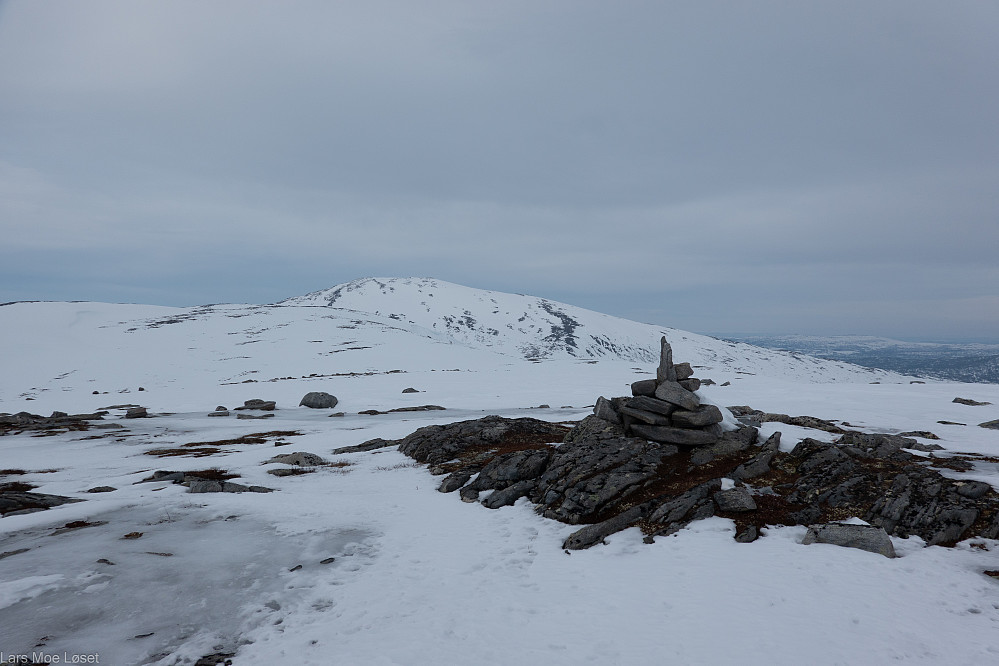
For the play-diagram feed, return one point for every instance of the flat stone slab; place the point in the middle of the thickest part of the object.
(673, 393)
(865, 537)
(650, 418)
(649, 404)
(668, 435)
(704, 415)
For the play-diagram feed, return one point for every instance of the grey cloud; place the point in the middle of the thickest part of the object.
(802, 157)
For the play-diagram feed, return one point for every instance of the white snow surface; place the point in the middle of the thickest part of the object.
(420, 577)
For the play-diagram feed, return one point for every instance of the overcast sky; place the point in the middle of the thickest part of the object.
(723, 167)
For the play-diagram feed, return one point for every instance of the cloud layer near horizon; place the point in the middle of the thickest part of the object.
(770, 167)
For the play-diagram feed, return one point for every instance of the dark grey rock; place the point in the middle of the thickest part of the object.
(919, 446)
(683, 371)
(865, 537)
(454, 481)
(650, 418)
(370, 445)
(675, 512)
(221, 408)
(674, 393)
(648, 404)
(219, 413)
(665, 372)
(410, 390)
(594, 534)
(510, 468)
(734, 500)
(748, 535)
(679, 436)
(290, 471)
(257, 403)
(15, 502)
(760, 463)
(644, 387)
(509, 495)
(468, 494)
(102, 489)
(704, 415)
(727, 444)
(318, 400)
(595, 471)
(973, 489)
(136, 413)
(969, 401)
(992, 425)
(604, 409)
(692, 384)
(254, 416)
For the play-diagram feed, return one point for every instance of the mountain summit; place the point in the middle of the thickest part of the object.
(535, 328)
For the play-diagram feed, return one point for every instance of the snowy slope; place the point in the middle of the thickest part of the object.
(417, 576)
(57, 354)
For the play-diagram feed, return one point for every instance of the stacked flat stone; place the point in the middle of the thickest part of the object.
(665, 409)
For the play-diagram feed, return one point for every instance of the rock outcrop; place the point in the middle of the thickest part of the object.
(16, 499)
(54, 424)
(205, 481)
(609, 473)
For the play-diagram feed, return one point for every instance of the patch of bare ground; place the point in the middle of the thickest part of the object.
(16, 487)
(211, 473)
(255, 438)
(199, 452)
(204, 449)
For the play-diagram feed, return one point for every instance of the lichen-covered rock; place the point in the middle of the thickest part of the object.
(735, 500)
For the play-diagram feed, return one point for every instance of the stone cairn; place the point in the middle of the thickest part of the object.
(665, 409)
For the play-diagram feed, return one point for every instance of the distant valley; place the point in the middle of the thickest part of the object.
(968, 362)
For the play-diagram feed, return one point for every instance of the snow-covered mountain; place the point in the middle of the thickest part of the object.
(363, 561)
(58, 355)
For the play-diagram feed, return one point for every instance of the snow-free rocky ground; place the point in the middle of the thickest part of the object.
(417, 576)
